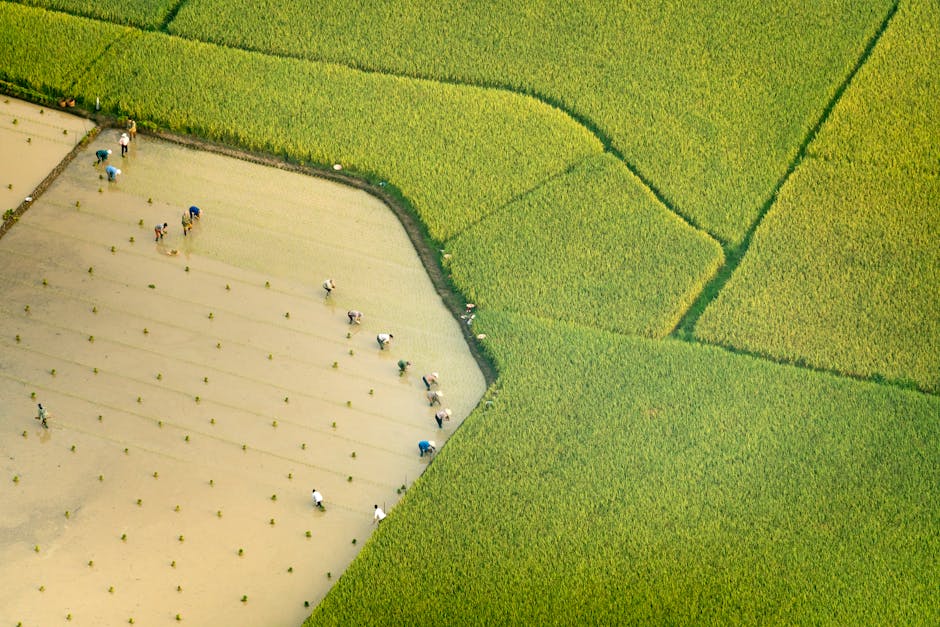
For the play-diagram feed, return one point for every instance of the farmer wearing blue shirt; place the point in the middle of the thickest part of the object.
(194, 212)
(102, 155)
(112, 172)
(426, 446)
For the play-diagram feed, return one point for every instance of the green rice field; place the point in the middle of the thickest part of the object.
(587, 174)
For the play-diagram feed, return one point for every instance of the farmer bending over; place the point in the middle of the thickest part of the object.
(429, 380)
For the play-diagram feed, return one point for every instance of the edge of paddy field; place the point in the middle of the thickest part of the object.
(390, 197)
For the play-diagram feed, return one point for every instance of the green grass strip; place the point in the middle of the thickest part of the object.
(618, 480)
(592, 246)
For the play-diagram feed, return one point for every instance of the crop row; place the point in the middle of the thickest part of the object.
(709, 101)
(592, 246)
(616, 477)
(460, 152)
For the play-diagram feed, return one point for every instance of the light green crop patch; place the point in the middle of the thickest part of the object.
(143, 13)
(47, 51)
(618, 480)
(845, 270)
(592, 246)
(889, 116)
(843, 274)
(709, 100)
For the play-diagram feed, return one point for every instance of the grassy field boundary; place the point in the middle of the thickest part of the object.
(734, 254)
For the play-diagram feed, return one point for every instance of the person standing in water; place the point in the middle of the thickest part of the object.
(42, 417)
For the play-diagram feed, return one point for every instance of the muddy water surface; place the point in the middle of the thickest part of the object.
(34, 140)
(201, 386)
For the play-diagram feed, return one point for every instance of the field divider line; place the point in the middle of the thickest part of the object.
(520, 196)
(554, 103)
(209, 400)
(153, 420)
(81, 73)
(685, 328)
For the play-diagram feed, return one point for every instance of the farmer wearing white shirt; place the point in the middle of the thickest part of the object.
(317, 499)
(441, 416)
(379, 515)
(383, 339)
(329, 285)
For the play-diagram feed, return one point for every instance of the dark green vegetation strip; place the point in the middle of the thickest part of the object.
(143, 13)
(844, 273)
(458, 152)
(593, 246)
(47, 51)
(709, 101)
(621, 480)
